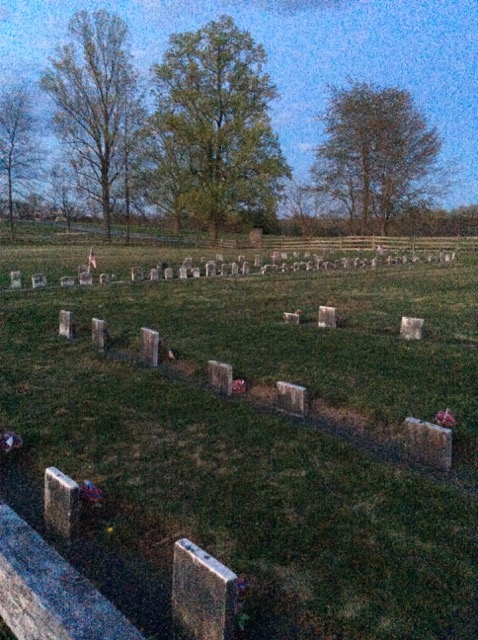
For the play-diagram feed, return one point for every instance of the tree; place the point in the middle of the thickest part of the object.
(212, 125)
(91, 81)
(378, 155)
(18, 149)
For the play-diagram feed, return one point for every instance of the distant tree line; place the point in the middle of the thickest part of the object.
(195, 147)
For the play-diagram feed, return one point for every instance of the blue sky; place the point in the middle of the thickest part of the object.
(428, 47)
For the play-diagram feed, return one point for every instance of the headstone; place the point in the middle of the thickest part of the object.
(441, 256)
(150, 343)
(284, 267)
(219, 257)
(453, 256)
(168, 273)
(99, 334)
(447, 257)
(427, 443)
(82, 268)
(241, 259)
(307, 255)
(210, 269)
(258, 261)
(183, 273)
(220, 376)
(389, 259)
(266, 269)
(327, 318)
(296, 254)
(38, 281)
(67, 281)
(61, 503)
(16, 279)
(188, 263)
(86, 279)
(309, 265)
(404, 259)
(283, 255)
(104, 278)
(430, 258)
(196, 272)
(224, 269)
(154, 274)
(136, 274)
(374, 263)
(292, 399)
(204, 594)
(411, 328)
(291, 318)
(245, 269)
(356, 262)
(234, 269)
(67, 324)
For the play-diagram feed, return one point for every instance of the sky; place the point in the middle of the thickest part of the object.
(427, 47)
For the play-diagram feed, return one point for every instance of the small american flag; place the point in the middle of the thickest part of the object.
(92, 260)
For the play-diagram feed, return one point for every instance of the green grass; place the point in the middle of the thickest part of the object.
(334, 543)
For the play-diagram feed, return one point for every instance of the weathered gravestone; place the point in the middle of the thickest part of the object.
(224, 269)
(219, 257)
(104, 278)
(136, 274)
(150, 343)
(374, 263)
(245, 269)
(188, 263)
(183, 273)
(67, 324)
(327, 318)
(154, 274)
(283, 255)
(196, 272)
(168, 273)
(292, 399)
(210, 269)
(291, 318)
(220, 376)
(86, 279)
(99, 334)
(234, 269)
(427, 443)
(82, 268)
(411, 328)
(258, 261)
(204, 594)
(67, 281)
(38, 281)
(61, 506)
(16, 279)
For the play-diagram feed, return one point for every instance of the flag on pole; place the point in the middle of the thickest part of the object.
(92, 260)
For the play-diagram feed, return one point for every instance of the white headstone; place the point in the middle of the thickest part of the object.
(183, 273)
(411, 328)
(86, 279)
(38, 281)
(168, 273)
(67, 281)
(327, 317)
(16, 279)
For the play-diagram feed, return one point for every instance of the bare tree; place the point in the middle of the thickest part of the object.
(90, 80)
(18, 150)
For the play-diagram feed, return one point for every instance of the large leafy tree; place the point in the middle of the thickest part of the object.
(379, 154)
(212, 127)
(92, 82)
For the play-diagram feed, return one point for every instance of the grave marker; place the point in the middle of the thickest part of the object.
(16, 279)
(292, 399)
(412, 328)
(245, 268)
(82, 268)
(183, 273)
(168, 273)
(234, 269)
(188, 263)
(220, 376)
(61, 509)
(150, 343)
(86, 279)
(258, 261)
(196, 272)
(291, 318)
(327, 318)
(99, 334)
(104, 278)
(154, 274)
(67, 324)
(210, 269)
(427, 443)
(224, 269)
(136, 274)
(67, 281)
(204, 594)
(38, 281)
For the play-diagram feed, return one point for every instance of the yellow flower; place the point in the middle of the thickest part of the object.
(109, 530)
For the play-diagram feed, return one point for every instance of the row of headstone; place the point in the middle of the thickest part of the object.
(204, 594)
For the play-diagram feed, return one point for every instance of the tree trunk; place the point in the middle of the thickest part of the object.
(10, 204)
(106, 205)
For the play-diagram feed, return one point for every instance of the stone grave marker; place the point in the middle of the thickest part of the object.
(67, 281)
(86, 279)
(327, 318)
(136, 274)
(427, 443)
(374, 263)
(234, 269)
(168, 273)
(38, 281)
(241, 259)
(196, 272)
(245, 269)
(188, 263)
(67, 324)
(291, 318)
(258, 261)
(154, 274)
(210, 269)
(15, 279)
(204, 594)
(292, 399)
(99, 334)
(411, 328)
(219, 257)
(150, 343)
(283, 255)
(220, 376)
(224, 269)
(447, 257)
(309, 265)
(82, 268)
(307, 255)
(183, 273)
(61, 505)
(104, 278)
(296, 254)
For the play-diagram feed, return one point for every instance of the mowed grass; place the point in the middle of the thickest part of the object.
(334, 543)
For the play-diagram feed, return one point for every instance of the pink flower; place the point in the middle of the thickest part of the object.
(445, 418)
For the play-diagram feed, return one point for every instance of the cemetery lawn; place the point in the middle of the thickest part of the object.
(335, 543)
